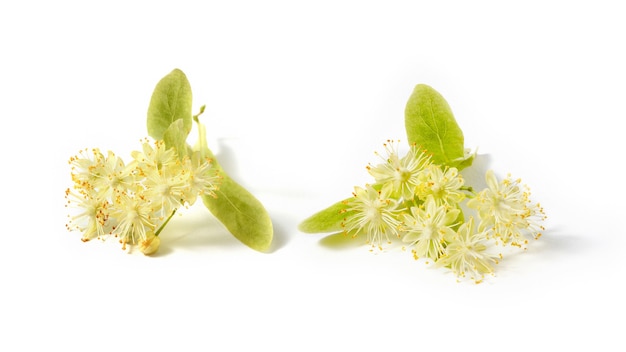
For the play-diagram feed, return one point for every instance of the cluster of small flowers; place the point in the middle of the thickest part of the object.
(134, 201)
(419, 202)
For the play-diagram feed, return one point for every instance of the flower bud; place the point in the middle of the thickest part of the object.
(150, 245)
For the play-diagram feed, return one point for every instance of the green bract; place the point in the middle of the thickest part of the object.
(170, 119)
(430, 124)
(171, 101)
(327, 220)
(242, 214)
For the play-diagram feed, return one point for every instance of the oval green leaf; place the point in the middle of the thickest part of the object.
(170, 101)
(430, 124)
(235, 207)
(242, 214)
(327, 220)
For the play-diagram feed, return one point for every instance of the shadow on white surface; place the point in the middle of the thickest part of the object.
(281, 232)
(474, 175)
(339, 241)
(227, 159)
(556, 241)
(197, 229)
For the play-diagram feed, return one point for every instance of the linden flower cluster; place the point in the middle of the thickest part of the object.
(134, 201)
(419, 202)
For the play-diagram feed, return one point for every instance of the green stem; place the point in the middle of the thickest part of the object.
(468, 188)
(201, 145)
(195, 117)
(165, 223)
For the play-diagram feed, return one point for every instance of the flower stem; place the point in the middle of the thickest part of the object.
(165, 223)
(195, 117)
(469, 189)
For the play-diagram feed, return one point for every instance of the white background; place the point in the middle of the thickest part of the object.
(299, 95)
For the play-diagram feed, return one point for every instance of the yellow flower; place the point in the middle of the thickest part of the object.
(203, 177)
(402, 174)
(133, 215)
(468, 253)
(166, 188)
(87, 168)
(114, 176)
(374, 214)
(157, 158)
(505, 209)
(93, 215)
(444, 185)
(427, 228)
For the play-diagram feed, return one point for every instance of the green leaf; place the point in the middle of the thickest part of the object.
(430, 124)
(235, 207)
(175, 136)
(170, 101)
(242, 214)
(327, 220)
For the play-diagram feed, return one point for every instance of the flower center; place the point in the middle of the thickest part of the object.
(405, 175)
(429, 231)
(373, 214)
